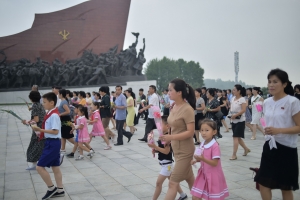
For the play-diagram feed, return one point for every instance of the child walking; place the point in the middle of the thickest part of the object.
(210, 182)
(51, 132)
(98, 129)
(83, 135)
(71, 155)
(166, 162)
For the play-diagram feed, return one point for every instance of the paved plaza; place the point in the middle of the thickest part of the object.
(126, 172)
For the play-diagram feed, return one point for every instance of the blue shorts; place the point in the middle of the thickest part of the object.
(76, 139)
(51, 154)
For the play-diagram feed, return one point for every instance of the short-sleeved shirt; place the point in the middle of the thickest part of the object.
(38, 110)
(278, 114)
(154, 100)
(229, 96)
(58, 102)
(120, 113)
(297, 96)
(89, 100)
(199, 101)
(61, 106)
(214, 103)
(53, 123)
(105, 112)
(82, 102)
(166, 98)
(236, 107)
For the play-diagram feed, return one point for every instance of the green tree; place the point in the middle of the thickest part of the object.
(264, 91)
(165, 70)
(191, 72)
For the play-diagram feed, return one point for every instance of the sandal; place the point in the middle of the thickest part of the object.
(246, 153)
(253, 138)
(233, 158)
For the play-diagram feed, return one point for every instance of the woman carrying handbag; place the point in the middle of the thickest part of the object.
(213, 110)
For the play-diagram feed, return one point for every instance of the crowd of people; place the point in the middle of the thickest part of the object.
(187, 114)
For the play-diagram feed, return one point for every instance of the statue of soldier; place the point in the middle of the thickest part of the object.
(4, 79)
(138, 66)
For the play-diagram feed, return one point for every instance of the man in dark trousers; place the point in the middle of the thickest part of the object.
(120, 106)
(141, 102)
(153, 100)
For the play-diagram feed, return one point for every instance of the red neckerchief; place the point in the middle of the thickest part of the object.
(55, 110)
(92, 117)
(76, 117)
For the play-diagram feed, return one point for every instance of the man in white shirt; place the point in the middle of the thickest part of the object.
(153, 101)
(56, 89)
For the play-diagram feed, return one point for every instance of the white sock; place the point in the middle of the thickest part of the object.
(182, 194)
(51, 188)
(91, 151)
(60, 189)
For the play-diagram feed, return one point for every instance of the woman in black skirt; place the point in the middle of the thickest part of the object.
(35, 148)
(279, 162)
(64, 113)
(237, 117)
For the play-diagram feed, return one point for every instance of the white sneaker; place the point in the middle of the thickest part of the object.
(90, 153)
(113, 141)
(61, 159)
(79, 158)
(31, 168)
(62, 151)
(107, 148)
(91, 156)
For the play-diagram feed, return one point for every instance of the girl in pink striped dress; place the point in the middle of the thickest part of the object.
(83, 134)
(210, 183)
(98, 129)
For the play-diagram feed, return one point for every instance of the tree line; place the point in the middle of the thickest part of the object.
(164, 70)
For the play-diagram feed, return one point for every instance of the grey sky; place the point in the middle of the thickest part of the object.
(266, 33)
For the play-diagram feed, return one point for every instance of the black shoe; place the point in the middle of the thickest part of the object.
(118, 144)
(59, 194)
(142, 140)
(49, 194)
(219, 136)
(70, 155)
(182, 198)
(197, 143)
(129, 138)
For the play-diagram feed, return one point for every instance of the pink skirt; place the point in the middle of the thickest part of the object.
(83, 137)
(210, 186)
(94, 133)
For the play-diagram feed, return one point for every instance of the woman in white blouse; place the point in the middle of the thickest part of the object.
(279, 162)
(255, 99)
(237, 115)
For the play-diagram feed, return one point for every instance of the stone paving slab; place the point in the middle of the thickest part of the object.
(125, 172)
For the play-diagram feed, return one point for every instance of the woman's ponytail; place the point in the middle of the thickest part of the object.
(191, 98)
(289, 89)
